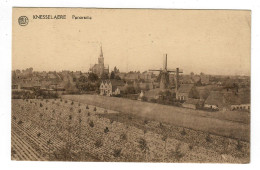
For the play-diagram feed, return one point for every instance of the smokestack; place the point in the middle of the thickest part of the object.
(165, 62)
(177, 80)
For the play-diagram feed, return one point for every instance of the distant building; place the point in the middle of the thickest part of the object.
(204, 79)
(131, 76)
(111, 87)
(100, 68)
(228, 101)
(187, 91)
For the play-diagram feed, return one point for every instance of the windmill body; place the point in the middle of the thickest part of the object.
(164, 81)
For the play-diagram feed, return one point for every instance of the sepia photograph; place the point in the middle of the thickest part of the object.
(131, 85)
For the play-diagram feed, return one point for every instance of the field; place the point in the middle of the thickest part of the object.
(68, 130)
(230, 124)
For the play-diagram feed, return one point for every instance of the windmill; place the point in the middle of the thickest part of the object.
(165, 75)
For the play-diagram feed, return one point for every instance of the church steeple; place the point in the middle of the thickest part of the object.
(101, 58)
(101, 51)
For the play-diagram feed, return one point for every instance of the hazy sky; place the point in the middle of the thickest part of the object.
(209, 41)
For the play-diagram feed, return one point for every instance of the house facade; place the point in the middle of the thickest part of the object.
(187, 91)
(111, 87)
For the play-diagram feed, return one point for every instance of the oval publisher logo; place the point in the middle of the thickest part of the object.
(23, 20)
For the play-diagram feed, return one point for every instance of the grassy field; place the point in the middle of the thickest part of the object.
(230, 124)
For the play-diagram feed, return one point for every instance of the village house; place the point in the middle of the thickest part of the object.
(242, 103)
(219, 100)
(187, 91)
(131, 76)
(111, 87)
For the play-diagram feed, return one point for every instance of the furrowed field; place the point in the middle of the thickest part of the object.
(66, 130)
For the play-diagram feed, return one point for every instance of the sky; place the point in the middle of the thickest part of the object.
(208, 41)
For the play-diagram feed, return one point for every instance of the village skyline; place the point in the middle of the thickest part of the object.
(112, 68)
(212, 42)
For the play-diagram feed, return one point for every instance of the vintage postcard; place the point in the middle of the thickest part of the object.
(131, 85)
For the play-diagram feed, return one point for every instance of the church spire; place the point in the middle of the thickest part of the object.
(101, 51)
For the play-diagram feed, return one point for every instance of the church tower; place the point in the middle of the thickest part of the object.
(101, 62)
(101, 58)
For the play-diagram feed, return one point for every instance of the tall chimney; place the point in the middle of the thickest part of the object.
(177, 80)
(165, 62)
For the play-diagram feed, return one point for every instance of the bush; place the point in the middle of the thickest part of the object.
(145, 122)
(79, 110)
(41, 105)
(38, 134)
(164, 138)
(177, 152)
(88, 113)
(208, 138)
(117, 152)
(95, 109)
(14, 118)
(190, 146)
(161, 125)
(239, 146)
(91, 124)
(183, 132)
(20, 122)
(87, 107)
(106, 130)
(66, 101)
(79, 104)
(143, 144)
(98, 143)
(123, 136)
(72, 103)
(144, 98)
(153, 100)
(105, 111)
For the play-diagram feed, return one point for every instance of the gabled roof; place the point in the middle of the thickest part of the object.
(152, 93)
(227, 98)
(185, 88)
(215, 98)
